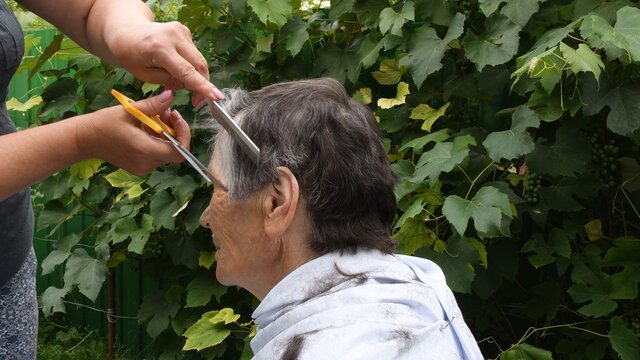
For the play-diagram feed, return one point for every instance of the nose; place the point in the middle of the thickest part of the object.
(204, 218)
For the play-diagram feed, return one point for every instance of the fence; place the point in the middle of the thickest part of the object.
(130, 282)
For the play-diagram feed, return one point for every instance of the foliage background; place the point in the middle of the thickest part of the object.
(513, 128)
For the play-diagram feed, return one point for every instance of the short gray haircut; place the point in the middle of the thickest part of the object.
(333, 146)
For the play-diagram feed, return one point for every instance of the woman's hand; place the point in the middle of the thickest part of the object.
(113, 135)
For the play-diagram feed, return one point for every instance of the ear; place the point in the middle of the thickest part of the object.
(280, 203)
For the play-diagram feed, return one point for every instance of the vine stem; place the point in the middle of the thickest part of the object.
(473, 182)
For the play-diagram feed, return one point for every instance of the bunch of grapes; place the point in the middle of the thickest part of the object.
(154, 246)
(604, 158)
(531, 188)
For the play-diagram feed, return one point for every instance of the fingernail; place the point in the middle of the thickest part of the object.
(218, 94)
(201, 104)
(165, 95)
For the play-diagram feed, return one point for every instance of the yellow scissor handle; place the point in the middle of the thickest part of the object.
(154, 123)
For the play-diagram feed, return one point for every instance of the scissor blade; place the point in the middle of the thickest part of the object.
(192, 160)
(236, 132)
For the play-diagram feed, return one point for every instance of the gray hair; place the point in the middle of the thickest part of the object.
(331, 144)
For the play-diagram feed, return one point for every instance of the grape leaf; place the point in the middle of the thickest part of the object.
(159, 308)
(52, 300)
(339, 63)
(488, 208)
(456, 262)
(390, 72)
(558, 243)
(625, 255)
(442, 158)
(14, 104)
(296, 35)
(428, 114)
(520, 11)
(513, 143)
(488, 7)
(623, 340)
(413, 235)
(60, 254)
(162, 208)
(85, 271)
(403, 91)
(627, 27)
(201, 288)
(426, 49)
(582, 60)
(524, 351)
(209, 330)
(497, 45)
(274, 11)
(391, 21)
(569, 155)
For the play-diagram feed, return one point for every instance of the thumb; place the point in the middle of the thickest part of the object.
(156, 105)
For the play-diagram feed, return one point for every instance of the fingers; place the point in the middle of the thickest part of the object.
(156, 105)
(183, 132)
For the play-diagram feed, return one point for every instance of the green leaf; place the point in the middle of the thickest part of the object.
(60, 254)
(370, 50)
(582, 60)
(568, 156)
(511, 144)
(520, 11)
(623, 340)
(206, 259)
(627, 27)
(426, 49)
(87, 272)
(625, 255)
(391, 21)
(158, 309)
(524, 351)
(198, 16)
(488, 7)
(630, 173)
(201, 288)
(593, 286)
(263, 43)
(53, 300)
(51, 50)
(600, 34)
(456, 262)
(162, 208)
(413, 235)
(488, 208)
(558, 243)
(209, 330)
(442, 158)
(296, 34)
(417, 144)
(274, 11)
(497, 45)
(60, 96)
(340, 7)
(338, 63)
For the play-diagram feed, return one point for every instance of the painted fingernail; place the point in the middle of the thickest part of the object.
(165, 95)
(201, 104)
(218, 94)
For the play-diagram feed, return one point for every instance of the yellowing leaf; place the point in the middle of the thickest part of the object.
(403, 91)
(363, 96)
(86, 169)
(428, 114)
(593, 229)
(390, 72)
(15, 105)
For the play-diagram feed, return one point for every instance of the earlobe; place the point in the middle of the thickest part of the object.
(281, 202)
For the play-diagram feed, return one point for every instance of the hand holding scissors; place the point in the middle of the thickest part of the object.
(155, 124)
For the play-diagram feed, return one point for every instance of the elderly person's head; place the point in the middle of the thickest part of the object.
(322, 184)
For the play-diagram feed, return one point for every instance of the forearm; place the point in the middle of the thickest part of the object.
(93, 24)
(31, 155)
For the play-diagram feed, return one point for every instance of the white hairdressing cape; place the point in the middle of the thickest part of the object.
(362, 306)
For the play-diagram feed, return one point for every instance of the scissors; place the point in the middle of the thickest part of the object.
(161, 128)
